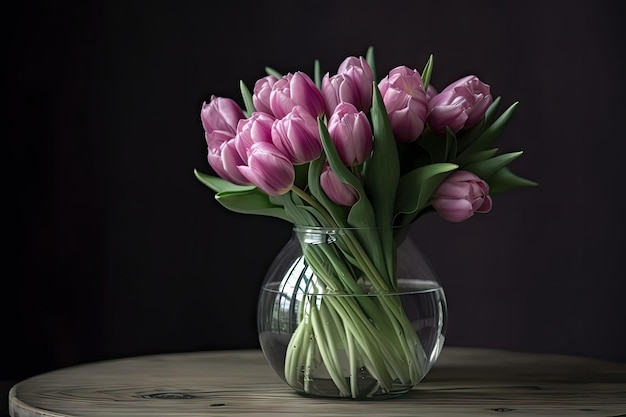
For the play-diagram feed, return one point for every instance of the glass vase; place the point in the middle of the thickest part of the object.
(351, 313)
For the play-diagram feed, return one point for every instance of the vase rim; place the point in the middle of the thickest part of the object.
(325, 229)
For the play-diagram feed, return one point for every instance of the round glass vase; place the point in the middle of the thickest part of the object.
(351, 313)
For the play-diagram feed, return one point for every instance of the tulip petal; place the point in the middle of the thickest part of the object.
(454, 210)
(460, 195)
(338, 192)
(268, 169)
(486, 206)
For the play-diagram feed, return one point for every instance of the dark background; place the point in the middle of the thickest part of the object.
(115, 249)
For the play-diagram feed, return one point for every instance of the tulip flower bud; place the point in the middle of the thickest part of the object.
(448, 109)
(460, 195)
(338, 89)
(220, 114)
(297, 136)
(261, 94)
(405, 100)
(338, 191)
(296, 90)
(359, 71)
(256, 128)
(481, 97)
(459, 106)
(216, 137)
(224, 159)
(351, 133)
(268, 169)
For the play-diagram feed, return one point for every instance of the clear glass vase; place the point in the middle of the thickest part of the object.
(351, 313)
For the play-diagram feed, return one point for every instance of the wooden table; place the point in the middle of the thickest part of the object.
(464, 381)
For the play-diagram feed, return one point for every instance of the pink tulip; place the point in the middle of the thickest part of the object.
(268, 169)
(338, 89)
(481, 97)
(220, 114)
(216, 137)
(338, 191)
(261, 94)
(224, 159)
(460, 195)
(297, 136)
(449, 109)
(459, 106)
(296, 90)
(351, 133)
(256, 128)
(405, 100)
(359, 71)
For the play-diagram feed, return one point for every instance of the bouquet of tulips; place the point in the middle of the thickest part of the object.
(352, 150)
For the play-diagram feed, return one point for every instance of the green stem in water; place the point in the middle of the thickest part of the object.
(382, 354)
(380, 349)
(326, 345)
(401, 327)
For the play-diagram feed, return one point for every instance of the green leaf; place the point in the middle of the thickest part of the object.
(467, 159)
(505, 180)
(316, 218)
(247, 99)
(416, 187)
(466, 137)
(489, 137)
(382, 171)
(428, 68)
(492, 111)
(451, 145)
(485, 169)
(317, 74)
(321, 220)
(381, 174)
(276, 200)
(272, 71)
(218, 184)
(337, 213)
(361, 214)
(252, 201)
(246, 199)
(371, 61)
(297, 215)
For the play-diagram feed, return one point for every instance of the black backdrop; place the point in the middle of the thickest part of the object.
(115, 249)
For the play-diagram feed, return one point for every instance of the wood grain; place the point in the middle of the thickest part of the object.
(464, 381)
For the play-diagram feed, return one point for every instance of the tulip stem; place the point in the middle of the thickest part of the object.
(351, 241)
(314, 203)
(356, 172)
(387, 317)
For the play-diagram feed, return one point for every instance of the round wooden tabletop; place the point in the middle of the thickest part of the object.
(464, 381)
